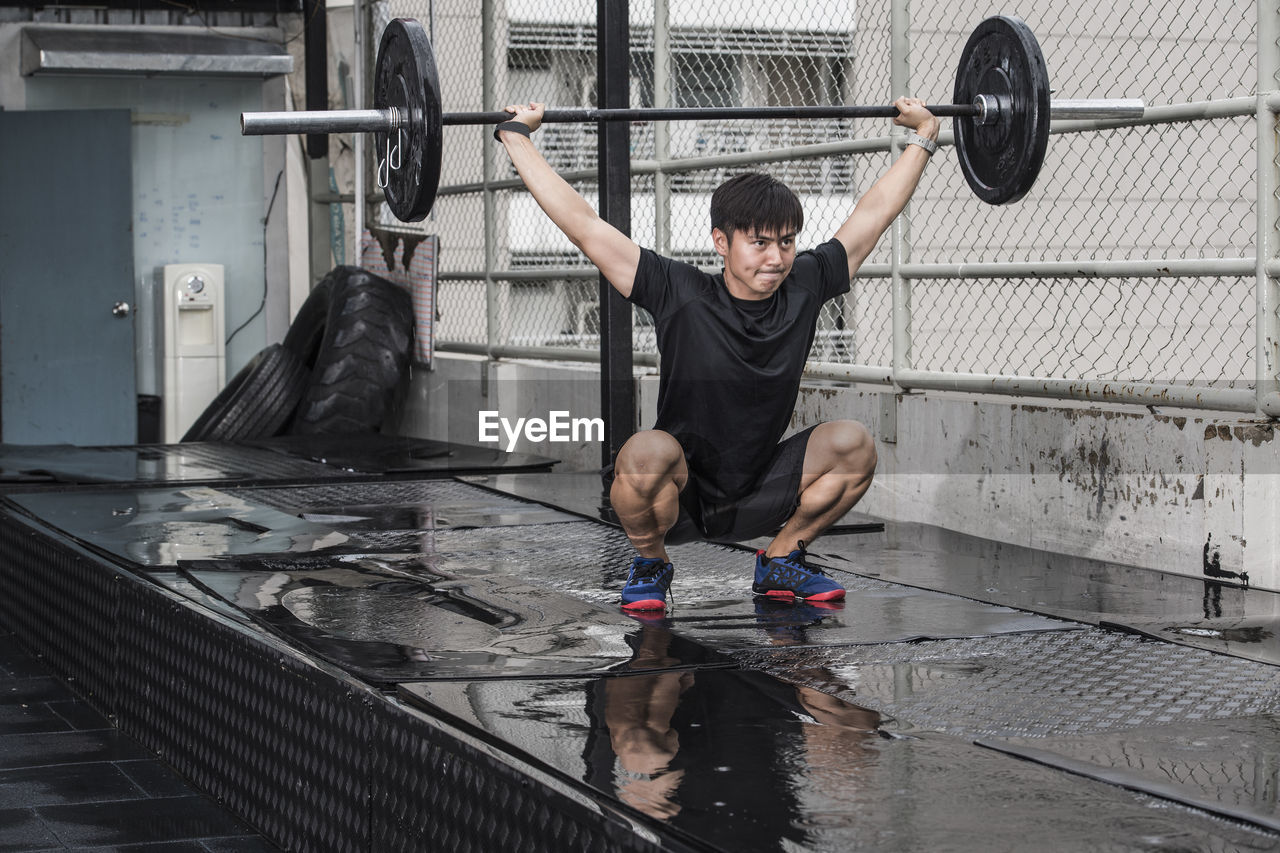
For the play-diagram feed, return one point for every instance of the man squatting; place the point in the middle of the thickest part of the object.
(733, 350)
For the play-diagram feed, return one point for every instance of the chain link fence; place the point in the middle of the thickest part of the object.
(1076, 280)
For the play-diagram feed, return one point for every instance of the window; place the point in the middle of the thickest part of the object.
(709, 80)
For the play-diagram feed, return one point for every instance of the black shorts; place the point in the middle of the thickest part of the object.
(772, 500)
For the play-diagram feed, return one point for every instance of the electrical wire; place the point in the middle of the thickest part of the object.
(265, 219)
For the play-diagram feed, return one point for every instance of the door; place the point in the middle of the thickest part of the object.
(66, 278)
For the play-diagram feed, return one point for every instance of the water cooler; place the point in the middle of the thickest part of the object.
(194, 363)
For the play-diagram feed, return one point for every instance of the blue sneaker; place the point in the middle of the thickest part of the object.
(646, 587)
(791, 577)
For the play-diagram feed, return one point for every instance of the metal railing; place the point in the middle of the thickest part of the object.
(921, 266)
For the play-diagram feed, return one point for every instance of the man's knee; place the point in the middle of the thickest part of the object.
(649, 453)
(851, 446)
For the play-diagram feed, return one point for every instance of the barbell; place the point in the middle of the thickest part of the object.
(1001, 106)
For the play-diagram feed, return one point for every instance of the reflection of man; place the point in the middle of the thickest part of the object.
(731, 756)
(637, 712)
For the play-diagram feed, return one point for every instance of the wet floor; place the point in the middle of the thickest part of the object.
(966, 695)
(1205, 612)
(744, 761)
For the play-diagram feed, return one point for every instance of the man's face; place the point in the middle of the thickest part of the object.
(755, 261)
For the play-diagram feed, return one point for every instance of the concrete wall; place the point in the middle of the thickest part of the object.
(1120, 484)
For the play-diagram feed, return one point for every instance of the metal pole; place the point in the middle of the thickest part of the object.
(1267, 322)
(661, 131)
(316, 48)
(900, 243)
(492, 317)
(358, 12)
(617, 387)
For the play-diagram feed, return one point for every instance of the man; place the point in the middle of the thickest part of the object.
(733, 350)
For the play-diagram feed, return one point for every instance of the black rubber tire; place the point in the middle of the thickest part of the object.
(306, 332)
(363, 359)
(257, 402)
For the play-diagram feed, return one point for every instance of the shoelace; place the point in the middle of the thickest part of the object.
(635, 578)
(800, 563)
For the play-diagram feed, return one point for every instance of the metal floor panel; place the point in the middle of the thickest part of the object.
(1034, 685)
(1230, 766)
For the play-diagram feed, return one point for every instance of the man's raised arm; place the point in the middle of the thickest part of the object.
(613, 252)
(881, 204)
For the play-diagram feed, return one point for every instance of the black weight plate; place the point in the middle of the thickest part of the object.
(405, 78)
(1001, 160)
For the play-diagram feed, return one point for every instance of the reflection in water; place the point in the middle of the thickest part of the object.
(392, 616)
(637, 713)
(793, 752)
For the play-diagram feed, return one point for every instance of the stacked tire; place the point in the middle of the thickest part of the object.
(339, 370)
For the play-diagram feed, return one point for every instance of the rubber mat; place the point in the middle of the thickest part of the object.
(1035, 685)
(1229, 767)
(742, 761)
(149, 464)
(159, 527)
(388, 454)
(177, 582)
(394, 619)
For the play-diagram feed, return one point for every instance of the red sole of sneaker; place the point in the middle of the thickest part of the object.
(648, 604)
(833, 595)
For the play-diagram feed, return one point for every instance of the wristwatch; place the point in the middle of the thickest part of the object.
(924, 142)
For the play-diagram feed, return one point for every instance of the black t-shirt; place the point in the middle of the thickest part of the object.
(731, 367)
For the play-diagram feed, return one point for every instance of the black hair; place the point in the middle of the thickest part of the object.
(755, 201)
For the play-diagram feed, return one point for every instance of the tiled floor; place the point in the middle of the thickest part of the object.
(68, 780)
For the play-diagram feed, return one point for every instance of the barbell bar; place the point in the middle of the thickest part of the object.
(388, 120)
(1001, 103)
